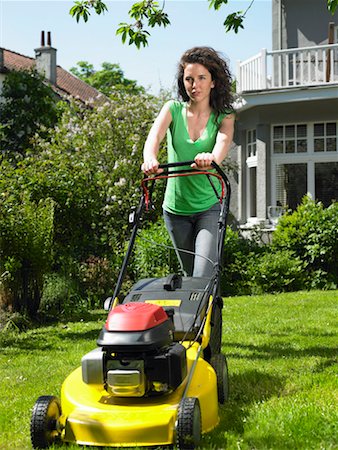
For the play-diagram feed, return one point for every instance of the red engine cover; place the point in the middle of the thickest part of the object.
(135, 317)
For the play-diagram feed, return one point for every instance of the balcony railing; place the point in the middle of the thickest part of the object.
(292, 67)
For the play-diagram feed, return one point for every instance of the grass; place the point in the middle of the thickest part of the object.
(281, 352)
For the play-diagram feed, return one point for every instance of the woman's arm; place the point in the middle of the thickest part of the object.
(154, 139)
(223, 141)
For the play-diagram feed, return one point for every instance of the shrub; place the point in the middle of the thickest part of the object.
(277, 271)
(90, 165)
(238, 253)
(311, 233)
(26, 238)
(96, 277)
(61, 296)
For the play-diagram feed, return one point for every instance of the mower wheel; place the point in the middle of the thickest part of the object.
(44, 421)
(219, 363)
(188, 425)
(216, 330)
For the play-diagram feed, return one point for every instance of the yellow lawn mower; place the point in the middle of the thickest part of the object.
(157, 374)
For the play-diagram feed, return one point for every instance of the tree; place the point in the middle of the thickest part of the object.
(149, 13)
(110, 78)
(28, 106)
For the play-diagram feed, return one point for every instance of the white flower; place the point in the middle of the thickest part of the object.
(121, 182)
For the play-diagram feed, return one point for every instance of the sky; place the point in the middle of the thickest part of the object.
(154, 67)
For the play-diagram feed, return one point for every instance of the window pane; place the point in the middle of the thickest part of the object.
(319, 145)
(301, 131)
(331, 129)
(326, 180)
(301, 146)
(253, 191)
(291, 184)
(290, 131)
(290, 147)
(319, 129)
(278, 132)
(278, 147)
(331, 144)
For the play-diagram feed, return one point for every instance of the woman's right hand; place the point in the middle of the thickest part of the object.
(150, 166)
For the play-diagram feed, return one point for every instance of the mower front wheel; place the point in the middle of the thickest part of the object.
(44, 422)
(219, 363)
(188, 426)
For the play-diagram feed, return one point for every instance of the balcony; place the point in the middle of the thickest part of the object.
(284, 69)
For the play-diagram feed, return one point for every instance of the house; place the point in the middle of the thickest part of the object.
(62, 82)
(286, 142)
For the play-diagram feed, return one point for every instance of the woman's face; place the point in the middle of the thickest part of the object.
(197, 82)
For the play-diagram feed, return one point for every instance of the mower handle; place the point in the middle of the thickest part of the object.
(139, 210)
(188, 163)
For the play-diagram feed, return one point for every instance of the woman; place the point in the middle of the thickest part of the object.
(199, 128)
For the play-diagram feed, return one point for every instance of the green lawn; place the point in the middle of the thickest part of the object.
(281, 352)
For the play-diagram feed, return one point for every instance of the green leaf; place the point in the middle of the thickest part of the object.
(234, 21)
(216, 4)
(332, 5)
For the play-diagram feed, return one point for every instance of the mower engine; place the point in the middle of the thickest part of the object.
(137, 356)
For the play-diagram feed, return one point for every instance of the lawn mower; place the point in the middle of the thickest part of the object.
(157, 374)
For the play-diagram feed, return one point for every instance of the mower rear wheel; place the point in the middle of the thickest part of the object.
(219, 363)
(216, 330)
(188, 426)
(44, 422)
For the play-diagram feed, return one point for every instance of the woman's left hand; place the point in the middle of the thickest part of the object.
(203, 161)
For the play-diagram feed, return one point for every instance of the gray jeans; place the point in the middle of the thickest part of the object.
(197, 234)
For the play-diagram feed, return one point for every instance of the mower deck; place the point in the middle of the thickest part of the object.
(92, 417)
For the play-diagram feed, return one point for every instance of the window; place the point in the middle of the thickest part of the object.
(304, 160)
(326, 182)
(251, 143)
(251, 162)
(253, 191)
(325, 137)
(289, 139)
(291, 184)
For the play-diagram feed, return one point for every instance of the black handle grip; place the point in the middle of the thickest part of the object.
(188, 163)
(176, 164)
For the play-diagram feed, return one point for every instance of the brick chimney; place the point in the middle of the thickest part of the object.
(45, 57)
(1, 59)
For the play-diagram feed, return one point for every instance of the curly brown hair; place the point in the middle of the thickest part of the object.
(221, 97)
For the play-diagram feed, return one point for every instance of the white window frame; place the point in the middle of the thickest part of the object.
(310, 158)
(251, 161)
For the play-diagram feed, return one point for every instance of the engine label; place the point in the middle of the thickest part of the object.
(167, 302)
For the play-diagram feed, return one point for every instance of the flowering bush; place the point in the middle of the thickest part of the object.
(90, 166)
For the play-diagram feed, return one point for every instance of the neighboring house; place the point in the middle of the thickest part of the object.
(62, 82)
(287, 129)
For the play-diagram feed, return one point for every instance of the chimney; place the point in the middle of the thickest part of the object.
(45, 57)
(2, 64)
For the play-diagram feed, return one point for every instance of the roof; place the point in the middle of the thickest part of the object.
(66, 83)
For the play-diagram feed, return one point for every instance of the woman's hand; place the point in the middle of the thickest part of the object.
(150, 166)
(203, 161)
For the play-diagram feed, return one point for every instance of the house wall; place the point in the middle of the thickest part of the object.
(261, 118)
(300, 23)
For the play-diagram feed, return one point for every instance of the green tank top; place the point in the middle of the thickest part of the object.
(189, 195)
